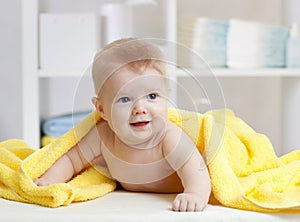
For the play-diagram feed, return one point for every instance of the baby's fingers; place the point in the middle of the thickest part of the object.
(180, 203)
(187, 202)
(41, 182)
(191, 207)
(183, 206)
(176, 204)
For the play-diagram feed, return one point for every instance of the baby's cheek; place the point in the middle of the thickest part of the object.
(119, 120)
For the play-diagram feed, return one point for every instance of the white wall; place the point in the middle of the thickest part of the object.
(10, 69)
(64, 95)
(291, 89)
(291, 12)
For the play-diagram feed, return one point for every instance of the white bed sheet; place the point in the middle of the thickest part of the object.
(129, 207)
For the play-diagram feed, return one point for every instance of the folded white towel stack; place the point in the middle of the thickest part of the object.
(255, 45)
(206, 37)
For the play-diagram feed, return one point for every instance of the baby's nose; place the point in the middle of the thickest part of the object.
(139, 108)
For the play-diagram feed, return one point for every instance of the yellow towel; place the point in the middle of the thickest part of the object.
(244, 169)
(47, 140)
(20, 165)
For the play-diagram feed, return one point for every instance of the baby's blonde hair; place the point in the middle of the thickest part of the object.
(133, 53)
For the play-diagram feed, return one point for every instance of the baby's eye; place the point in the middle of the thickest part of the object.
(152, 96)
(124, 100)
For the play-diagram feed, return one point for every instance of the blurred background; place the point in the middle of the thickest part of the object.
(243, 41)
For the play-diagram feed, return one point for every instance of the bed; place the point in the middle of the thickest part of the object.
(128, 206)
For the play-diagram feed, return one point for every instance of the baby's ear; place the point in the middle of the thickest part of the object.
(98, 106)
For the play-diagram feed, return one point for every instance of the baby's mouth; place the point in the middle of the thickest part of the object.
(140, 124)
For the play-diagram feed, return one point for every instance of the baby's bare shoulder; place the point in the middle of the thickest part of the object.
(177, 147)
(104, 131)
(173, 130)
(175, 137)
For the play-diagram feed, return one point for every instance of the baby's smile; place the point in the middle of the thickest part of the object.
(140, 124)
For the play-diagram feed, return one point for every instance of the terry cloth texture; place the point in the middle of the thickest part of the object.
(244, 169)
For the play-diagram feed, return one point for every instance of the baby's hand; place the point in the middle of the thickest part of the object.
(188, 202)
(43, 182)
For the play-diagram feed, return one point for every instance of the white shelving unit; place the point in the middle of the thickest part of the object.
(30, 82)
(32, 75)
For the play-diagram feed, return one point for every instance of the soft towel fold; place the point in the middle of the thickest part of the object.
(20, 165)
(47, 140)
(244, 169)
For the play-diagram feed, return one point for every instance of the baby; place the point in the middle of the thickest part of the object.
(142, 149)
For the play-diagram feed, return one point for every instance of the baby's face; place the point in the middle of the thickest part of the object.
(135, 105)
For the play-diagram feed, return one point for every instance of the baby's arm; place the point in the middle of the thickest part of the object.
(79, 157)
(191, 169)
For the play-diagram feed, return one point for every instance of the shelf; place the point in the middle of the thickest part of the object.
(59, 74)
(260, 72)
(218, 72)
(229, 72)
